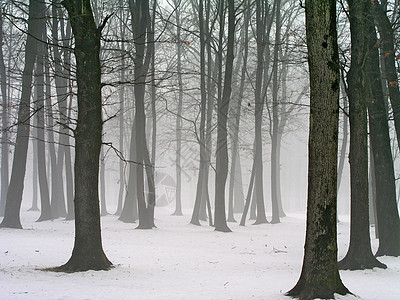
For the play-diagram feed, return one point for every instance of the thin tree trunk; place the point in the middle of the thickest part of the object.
(275, 164)
(223, 108)
(40, 123)
(178, 121)
(4, 121)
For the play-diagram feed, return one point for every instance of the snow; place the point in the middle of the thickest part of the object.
(175, 261)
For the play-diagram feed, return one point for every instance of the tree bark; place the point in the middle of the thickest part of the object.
(320, 276)
(387, 212)
(88, 252)
(359, 255)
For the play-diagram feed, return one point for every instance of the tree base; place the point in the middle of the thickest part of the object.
(82, 261)
(177, 213)
(391, 248)
(305, 292)
(222, 228)
(10, 224)
(231, 219)
(359, 262)
(262, 221)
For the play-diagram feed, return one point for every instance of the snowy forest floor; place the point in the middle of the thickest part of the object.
(175, 261)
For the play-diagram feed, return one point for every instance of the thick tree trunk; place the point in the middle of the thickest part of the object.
(359, 255)
(88, 251)
(387, 212)
(320, 276)
(14, 194)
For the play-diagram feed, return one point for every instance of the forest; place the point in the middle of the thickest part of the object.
(199, 149)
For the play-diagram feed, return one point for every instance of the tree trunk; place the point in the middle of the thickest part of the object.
(320, 276)
(259, 104)
(275, 164)
(14, 194)
(103, 204)
(200, 181)
(223, 108)
(388, 216)
(178, 122)
(359, 255)
(4, 125)
(45, 213)
(389, 67)
(88, 252)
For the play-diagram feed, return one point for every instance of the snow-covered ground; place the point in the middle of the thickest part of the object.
(175, 261)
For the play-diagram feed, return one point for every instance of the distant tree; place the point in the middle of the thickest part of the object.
(4, 122)
(45, 213)
(262, 11)
(88, 251)
(14, 194)
(359, 255)
(320, 276)
(223, 108)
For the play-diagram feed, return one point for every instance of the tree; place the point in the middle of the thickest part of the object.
(387, 212)
(88, 252)
(4, 121)
(15, 189)
(261, 20)
(320, 276)
(359, 255)
(223, 107)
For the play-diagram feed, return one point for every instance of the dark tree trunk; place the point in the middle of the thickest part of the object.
(387, 212)
(359, 255)
(389, 67)
(320, 276)
(88, 252)
(14, 194)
